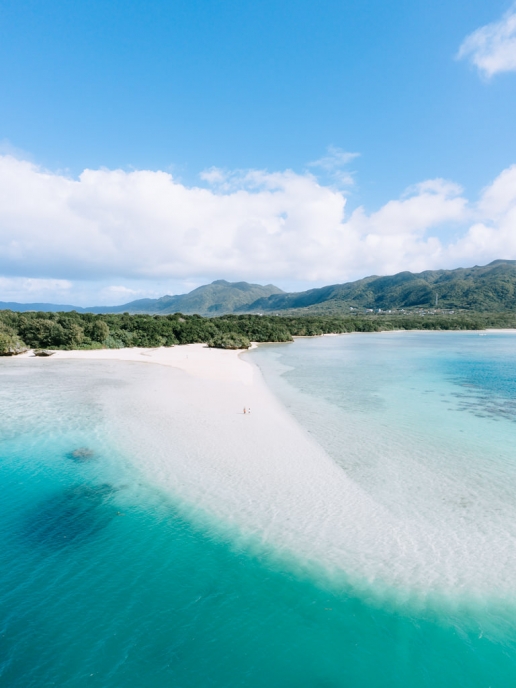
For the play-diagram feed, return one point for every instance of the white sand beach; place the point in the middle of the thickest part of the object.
(197, 360)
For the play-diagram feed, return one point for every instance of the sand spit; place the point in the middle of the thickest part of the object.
(262, 475)
(260, 472)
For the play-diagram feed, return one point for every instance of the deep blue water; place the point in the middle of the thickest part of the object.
(105, 582)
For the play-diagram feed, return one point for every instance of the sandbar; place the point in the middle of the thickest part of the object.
(262, 478)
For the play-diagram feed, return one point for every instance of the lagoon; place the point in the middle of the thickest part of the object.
(125, 570)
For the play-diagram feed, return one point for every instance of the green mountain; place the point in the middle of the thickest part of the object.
(216, 298)
(211, 299)
(481, 288)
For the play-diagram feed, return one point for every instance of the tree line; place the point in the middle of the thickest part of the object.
(72, 330)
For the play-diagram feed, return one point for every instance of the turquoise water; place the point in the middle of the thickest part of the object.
(104, 581)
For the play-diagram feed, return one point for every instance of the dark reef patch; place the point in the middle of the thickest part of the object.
(81, 455)
(72, 516)
(486, 388)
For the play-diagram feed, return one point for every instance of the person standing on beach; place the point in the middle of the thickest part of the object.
(245, 410)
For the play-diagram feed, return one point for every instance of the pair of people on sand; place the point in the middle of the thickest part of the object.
(247, 410)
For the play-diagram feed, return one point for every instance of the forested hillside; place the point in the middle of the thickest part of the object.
(488, 288)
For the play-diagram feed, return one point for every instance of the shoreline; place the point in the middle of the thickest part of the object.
(188, 357)
(198, 360)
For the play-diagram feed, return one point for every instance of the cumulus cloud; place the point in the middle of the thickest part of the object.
(492, 48)
(141, 227)
(494, 232)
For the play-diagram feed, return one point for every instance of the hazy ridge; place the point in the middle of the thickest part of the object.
(480, 288)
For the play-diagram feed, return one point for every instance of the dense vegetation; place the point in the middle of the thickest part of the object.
(72, 330)
(229, 340)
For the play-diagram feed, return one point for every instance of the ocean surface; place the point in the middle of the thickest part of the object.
(106, 581)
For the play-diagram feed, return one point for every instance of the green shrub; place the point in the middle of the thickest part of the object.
(229, 340)
(10, 344)
(98, 331)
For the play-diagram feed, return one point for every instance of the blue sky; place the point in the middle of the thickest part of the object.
(245, 87)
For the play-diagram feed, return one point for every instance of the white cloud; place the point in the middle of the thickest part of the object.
(493, 235)
(121, 291)
(334, 163)
(336, 158)
(27, 289)
(492, 48)
(215, 176)
(142, 227)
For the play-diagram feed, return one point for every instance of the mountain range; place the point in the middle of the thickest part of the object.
(481, 288)
(217, 298)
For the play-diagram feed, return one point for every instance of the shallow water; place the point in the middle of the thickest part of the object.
(105, 581)
(424, 424)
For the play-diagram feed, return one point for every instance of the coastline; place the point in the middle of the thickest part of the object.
(198, 360)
